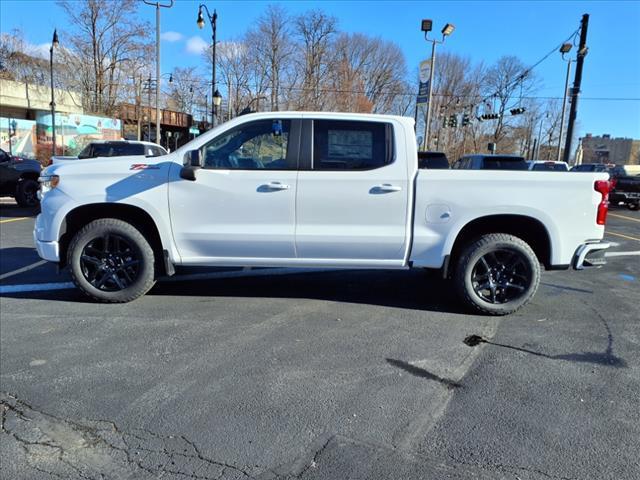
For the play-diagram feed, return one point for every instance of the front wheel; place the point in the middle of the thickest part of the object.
(497, 274)
(111, 261)
(27, 193)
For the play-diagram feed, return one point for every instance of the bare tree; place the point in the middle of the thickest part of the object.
(316, 31)
(107, 43)
(273, 47)
(507, 82)
(186, 87)
(367, 72)
(18, 62)
(233, 63)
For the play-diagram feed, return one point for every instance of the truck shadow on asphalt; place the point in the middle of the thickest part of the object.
(19, 258)
(413, 290)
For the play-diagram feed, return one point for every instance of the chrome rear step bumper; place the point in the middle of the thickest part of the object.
(590, 255)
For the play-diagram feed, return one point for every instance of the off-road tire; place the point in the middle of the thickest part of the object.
(26, 193)
(472, 254)
(98, 228)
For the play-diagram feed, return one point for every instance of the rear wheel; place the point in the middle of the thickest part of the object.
(497, 274)
(27, 193)
(111, 261)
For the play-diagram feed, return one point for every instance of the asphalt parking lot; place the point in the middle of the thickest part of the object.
(318, 375)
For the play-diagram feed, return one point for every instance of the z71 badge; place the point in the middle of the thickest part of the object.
(144, 166)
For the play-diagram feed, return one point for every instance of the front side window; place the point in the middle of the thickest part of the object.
(252, 146)
(351, 145)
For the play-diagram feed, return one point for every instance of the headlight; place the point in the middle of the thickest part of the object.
(48, 182)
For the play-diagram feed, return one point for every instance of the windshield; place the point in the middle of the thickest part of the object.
(111, 150)
(504, 163)
(550, 167)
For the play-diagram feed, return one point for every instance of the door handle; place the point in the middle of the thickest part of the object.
(277, 186)
(387, 187)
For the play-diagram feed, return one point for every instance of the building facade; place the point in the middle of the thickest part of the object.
(26, 128)
(605, 149)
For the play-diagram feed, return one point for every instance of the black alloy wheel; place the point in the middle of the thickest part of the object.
(110, 263)
(496, 274)
(501, 276)
(27, 194)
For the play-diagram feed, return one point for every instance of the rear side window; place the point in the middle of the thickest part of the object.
(351, 145)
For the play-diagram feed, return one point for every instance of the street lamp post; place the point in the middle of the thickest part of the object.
(216, 98)
(565, 48)
(426, 26)
(54, 44)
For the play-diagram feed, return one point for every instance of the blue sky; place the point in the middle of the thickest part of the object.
(484, 32)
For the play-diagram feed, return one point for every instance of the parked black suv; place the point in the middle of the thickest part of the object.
(19, 179)
(491, 162)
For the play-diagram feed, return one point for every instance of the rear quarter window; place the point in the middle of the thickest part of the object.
(351, 145)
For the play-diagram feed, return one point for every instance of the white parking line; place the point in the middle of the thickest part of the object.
(267, 272)
(22, 270)
(35, 287)
(622, 254)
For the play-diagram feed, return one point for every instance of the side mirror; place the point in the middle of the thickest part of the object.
(195, 158)
(194, 163)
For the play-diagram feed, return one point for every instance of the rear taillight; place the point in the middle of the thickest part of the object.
(602, 187)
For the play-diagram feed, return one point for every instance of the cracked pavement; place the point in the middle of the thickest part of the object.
(99, 449)
(359, 375)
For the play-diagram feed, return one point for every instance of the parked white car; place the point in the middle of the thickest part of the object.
(114, 148)
(547, 166)
(316, 190)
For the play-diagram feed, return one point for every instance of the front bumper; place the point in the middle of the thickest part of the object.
(591, 254)
(47, 250)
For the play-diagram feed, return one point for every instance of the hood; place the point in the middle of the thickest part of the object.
(108, 166)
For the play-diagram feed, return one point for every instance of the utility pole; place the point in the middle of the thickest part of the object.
(158, 79)
(149, 107)
(564, 105)
(577, 82)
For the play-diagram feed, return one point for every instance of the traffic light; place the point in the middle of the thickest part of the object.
(445, 122)
(489, 116)
(517, 111)
(453, 121)
(465, 120)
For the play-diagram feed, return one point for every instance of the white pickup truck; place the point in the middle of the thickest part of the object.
(303, 189)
